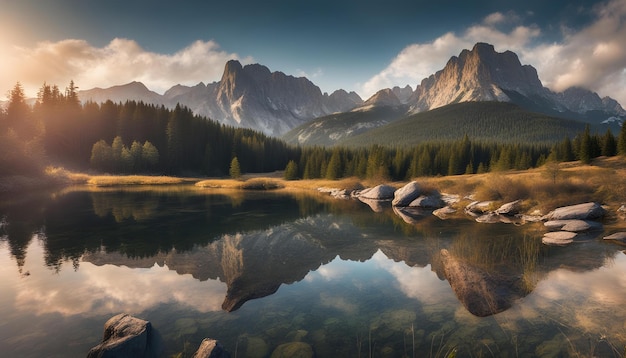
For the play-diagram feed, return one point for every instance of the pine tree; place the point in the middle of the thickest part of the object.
(235, 169)
(621, 142)
(291, 171)
(584, 153)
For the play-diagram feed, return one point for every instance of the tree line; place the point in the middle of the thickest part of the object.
(135, 137)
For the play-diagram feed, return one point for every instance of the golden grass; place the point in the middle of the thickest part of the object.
(604, 181)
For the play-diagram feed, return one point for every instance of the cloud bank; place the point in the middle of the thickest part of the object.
(593, 57)
(119, 62)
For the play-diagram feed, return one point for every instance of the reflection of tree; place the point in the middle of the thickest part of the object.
(137, 207)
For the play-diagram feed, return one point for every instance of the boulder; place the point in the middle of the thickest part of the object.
(572, 225)
(410, 215)
(405, 195)
(558, 238)
(477, 208)
(379, 192)
(511, 208)
(210, 348)
(293, 349)
(618, 236)
(127, 336)
(584, 211)
(428, 202)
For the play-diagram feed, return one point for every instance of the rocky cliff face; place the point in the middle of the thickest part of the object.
(481, 74)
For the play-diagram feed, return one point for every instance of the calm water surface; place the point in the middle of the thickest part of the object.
(257, 270)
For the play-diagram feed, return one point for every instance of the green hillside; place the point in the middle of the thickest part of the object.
(483, 121)
(329, 130)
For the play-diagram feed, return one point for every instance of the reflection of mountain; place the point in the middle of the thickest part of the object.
(261, 241)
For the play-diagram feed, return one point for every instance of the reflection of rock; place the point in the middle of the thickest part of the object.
(444, 213)
(618, 236)
(482, 293)
(477, 208)
(581, 211)
(558, 238)
(377, 206)
(410, 215)
(210, 348)
(127, 336)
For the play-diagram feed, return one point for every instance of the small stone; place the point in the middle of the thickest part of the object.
(618, 236)
(293, 349)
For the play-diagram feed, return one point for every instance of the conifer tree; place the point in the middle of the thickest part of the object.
(235, 169)
(621, 142)
(291, 171)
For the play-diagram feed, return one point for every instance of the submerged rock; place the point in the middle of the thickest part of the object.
(558, 238)
(405, 195)
(581, 211)
(127, 336)
(293, 349)
(210, 348)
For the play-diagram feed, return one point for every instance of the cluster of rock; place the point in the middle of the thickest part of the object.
(126, 336)
(412, 202)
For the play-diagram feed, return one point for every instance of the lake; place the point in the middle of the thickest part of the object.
(255, 270)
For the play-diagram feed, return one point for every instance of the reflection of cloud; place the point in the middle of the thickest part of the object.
(337, 302)
(415, 282)
(336, 269)
(100, 290)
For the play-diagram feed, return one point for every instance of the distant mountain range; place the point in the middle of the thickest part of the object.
(278, 104)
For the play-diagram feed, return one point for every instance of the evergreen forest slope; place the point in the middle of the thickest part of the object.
(482, 121)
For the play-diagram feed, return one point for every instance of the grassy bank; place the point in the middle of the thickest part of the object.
(542, 188)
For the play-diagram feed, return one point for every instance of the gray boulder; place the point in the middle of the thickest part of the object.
(584, 211)
(377, 206)
(428, 202)
(210, 348)
(127, 336)
(572, 225)
(379, 192)
(405, 195)
(511, 208)
(477, 208)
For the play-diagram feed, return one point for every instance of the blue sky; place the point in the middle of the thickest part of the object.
(356, 45)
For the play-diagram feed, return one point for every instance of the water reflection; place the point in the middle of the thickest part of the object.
(206, 253)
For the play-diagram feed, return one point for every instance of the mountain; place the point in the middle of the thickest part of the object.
(134, 91)
(248, 96)
(480, 75)
(382, 108)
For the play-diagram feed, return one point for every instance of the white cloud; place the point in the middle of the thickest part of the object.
(119, 62)
(593, 57)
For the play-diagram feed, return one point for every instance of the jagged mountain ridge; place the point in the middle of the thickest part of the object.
(254, 97)
(248, 96)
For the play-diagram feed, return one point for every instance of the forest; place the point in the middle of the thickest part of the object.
(136, 137)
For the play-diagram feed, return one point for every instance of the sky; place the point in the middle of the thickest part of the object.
(360, 46)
